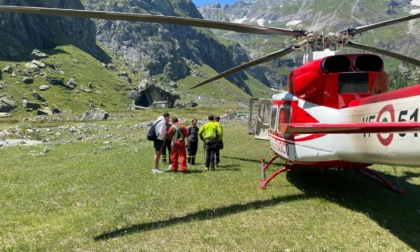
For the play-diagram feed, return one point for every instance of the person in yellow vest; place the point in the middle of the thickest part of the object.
(209, 133)
(220, 144)
(177, 133)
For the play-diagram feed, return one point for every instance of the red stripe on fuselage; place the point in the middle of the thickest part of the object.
(392, 95)
(296, 138)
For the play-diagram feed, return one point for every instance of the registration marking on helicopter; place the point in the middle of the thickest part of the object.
(279, 146)
(387, 114)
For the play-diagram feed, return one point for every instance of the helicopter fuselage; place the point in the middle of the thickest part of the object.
(392, 148)
(343, 98)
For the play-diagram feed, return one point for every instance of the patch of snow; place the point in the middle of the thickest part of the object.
(261, 21)
(413, 12)
(415, 2)
(239, 20)
(293, 22)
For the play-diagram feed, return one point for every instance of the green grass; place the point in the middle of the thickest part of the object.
(98, 194)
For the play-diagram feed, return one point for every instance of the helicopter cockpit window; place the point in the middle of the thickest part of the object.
(353, 83)
(273, 118)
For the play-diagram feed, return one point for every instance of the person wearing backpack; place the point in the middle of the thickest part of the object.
(177, 133)
(160, 130)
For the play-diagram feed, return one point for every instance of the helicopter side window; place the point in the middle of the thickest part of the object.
(353, 83)
(273, 117)
(284, 116)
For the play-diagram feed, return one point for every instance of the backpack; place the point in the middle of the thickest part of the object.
(151, 134)
(177, 133)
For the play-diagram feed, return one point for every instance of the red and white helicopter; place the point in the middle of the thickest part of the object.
(337, 111)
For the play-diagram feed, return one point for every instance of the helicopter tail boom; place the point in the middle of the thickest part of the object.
(348, 128)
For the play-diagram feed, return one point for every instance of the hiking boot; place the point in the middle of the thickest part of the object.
(211, 168)
(156, 170)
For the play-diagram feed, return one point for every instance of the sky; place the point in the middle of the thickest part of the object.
(199, 3)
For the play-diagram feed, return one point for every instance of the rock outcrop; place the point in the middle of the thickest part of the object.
(155, 48)
(22, 32)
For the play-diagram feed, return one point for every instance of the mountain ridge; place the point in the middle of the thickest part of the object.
(173, 57)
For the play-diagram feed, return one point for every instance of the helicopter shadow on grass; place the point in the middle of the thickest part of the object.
(200, 215)
(242, 159)
(252, 160)
(394, 212)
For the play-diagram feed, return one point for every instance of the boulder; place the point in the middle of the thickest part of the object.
(38, 97)
(7, 105)
(4, 115)
(71, 84)
(95, 115)
(36, 55)
(44, 87)
(39, 64)
(55, 81)
(7, 69)
(31, 66)
(28, 80)
(29, 106)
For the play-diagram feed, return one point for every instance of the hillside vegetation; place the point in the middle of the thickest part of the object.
(108, 88)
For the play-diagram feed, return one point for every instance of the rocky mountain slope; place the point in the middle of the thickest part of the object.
(134, 56)
(20, 34)
(320, 16)
(137, 61)
(157, 49)
(328, 16)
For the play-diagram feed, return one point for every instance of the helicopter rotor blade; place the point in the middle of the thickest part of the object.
(360, 29)
(383, 52)
(252, 63)
(243, 28)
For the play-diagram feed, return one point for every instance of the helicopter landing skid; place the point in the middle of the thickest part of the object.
(379, 179)
(375, 176)
(264, 181)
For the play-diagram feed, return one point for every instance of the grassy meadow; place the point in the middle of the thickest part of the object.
(97, 193)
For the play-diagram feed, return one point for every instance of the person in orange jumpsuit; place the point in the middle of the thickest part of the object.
(177, 133)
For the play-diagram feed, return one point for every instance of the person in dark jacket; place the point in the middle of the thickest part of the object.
(192, 145)
(220, 141)
(166, 146)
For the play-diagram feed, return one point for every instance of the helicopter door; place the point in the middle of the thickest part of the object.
(259, 117)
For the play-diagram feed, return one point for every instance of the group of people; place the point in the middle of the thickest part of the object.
(171, 140)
